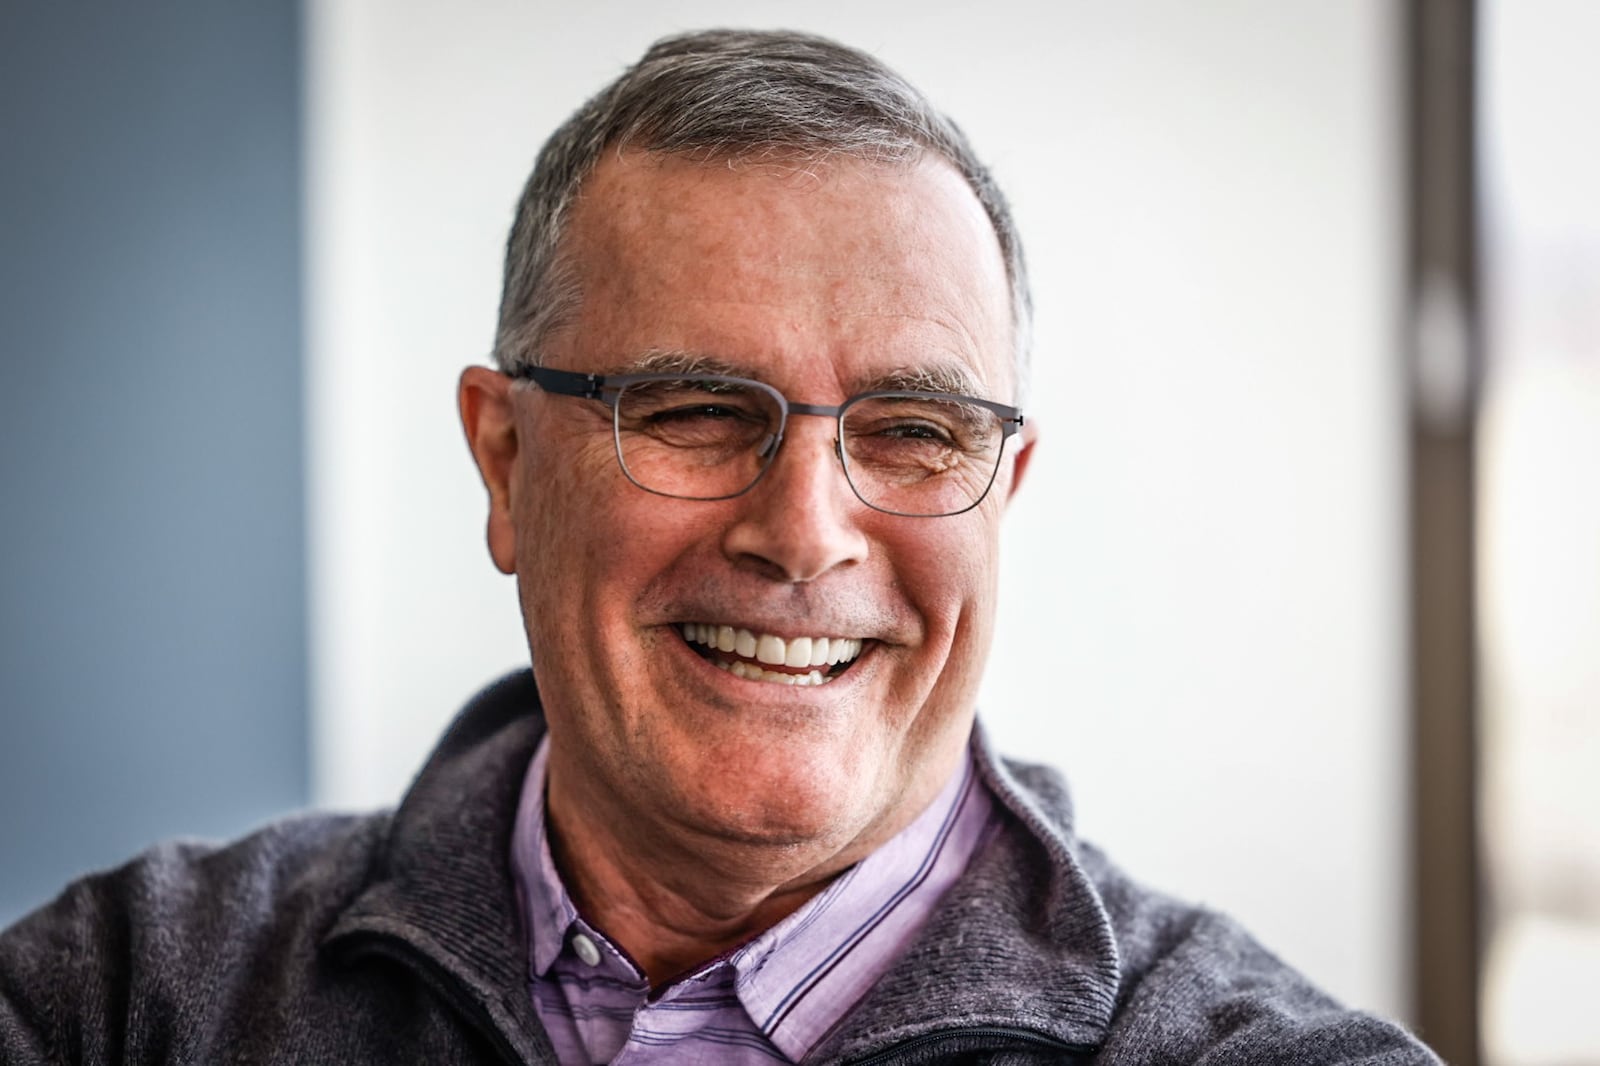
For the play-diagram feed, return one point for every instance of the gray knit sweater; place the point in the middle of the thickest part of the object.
(396, 937)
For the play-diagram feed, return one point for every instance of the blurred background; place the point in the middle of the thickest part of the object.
(1303, 591)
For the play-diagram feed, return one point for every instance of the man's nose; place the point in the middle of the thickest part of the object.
(802, 518)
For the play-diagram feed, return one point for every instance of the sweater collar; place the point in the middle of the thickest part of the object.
(1022, 941)
(441, 895)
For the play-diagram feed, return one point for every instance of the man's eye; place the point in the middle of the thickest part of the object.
(691, 412)
(707, 425)
(918, 430)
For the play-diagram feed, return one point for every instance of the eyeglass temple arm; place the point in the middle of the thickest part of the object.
(563, 382)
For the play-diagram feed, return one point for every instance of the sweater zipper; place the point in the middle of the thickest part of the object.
(444, 984)
(998, 1034)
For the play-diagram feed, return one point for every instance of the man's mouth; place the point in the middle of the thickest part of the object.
(764, 657)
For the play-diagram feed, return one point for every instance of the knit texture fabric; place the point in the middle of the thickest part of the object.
(396, 937)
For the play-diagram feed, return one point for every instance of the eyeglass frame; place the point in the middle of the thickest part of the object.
(608, 388)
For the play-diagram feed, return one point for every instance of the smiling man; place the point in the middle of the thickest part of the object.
(752, 429)
(705, 775)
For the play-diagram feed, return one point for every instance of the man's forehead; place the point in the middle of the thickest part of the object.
(637, 168)
(670, 199)
(725, 264)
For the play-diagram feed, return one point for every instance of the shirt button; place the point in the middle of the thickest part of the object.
(585, 947)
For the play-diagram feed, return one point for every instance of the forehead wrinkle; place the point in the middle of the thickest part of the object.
(959, 370)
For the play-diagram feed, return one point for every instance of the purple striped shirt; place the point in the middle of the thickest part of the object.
(774, 998)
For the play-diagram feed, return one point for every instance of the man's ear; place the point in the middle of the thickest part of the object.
(1029, 436)
(490, 424)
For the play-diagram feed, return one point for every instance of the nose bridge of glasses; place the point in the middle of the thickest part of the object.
(821, 409)
(805, 477)
(769, 446)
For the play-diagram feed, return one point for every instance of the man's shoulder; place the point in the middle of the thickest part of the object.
(292, 864)
(182, 910)
(293, 857)
(1191, 980)
(191, 895)
(314, 938)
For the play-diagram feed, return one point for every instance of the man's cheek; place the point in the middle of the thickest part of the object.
(946, 578)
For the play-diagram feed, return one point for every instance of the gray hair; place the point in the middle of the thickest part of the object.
(731, 95)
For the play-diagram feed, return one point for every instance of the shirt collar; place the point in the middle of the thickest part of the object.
(802, 976)
(540, 890)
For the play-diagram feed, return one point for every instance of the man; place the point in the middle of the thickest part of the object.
(752, 431)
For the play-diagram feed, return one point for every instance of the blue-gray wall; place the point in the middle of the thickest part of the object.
(152, 592)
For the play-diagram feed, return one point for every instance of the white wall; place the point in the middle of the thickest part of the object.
(1202, 587)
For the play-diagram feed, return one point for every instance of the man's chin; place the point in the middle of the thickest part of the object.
(825, 816)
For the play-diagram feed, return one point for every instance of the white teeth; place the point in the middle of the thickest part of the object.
(795, 652)
(751, 672)
(770, 650)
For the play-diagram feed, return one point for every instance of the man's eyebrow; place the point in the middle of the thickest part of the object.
(937, 377)
(940, 377)
(675, 361)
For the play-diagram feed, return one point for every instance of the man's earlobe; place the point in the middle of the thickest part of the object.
(489, 421)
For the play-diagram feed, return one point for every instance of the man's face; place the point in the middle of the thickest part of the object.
(822, 281)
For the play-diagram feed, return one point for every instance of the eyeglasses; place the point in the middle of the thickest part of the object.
(710, 437)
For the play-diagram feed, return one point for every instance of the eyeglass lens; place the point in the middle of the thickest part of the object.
(709, 439)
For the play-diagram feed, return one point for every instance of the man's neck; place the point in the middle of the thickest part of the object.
(669, 926)
(672, 898)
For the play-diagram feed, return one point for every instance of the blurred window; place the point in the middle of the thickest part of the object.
(1539, 532)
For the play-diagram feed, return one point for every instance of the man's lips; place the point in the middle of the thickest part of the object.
(767, 657)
